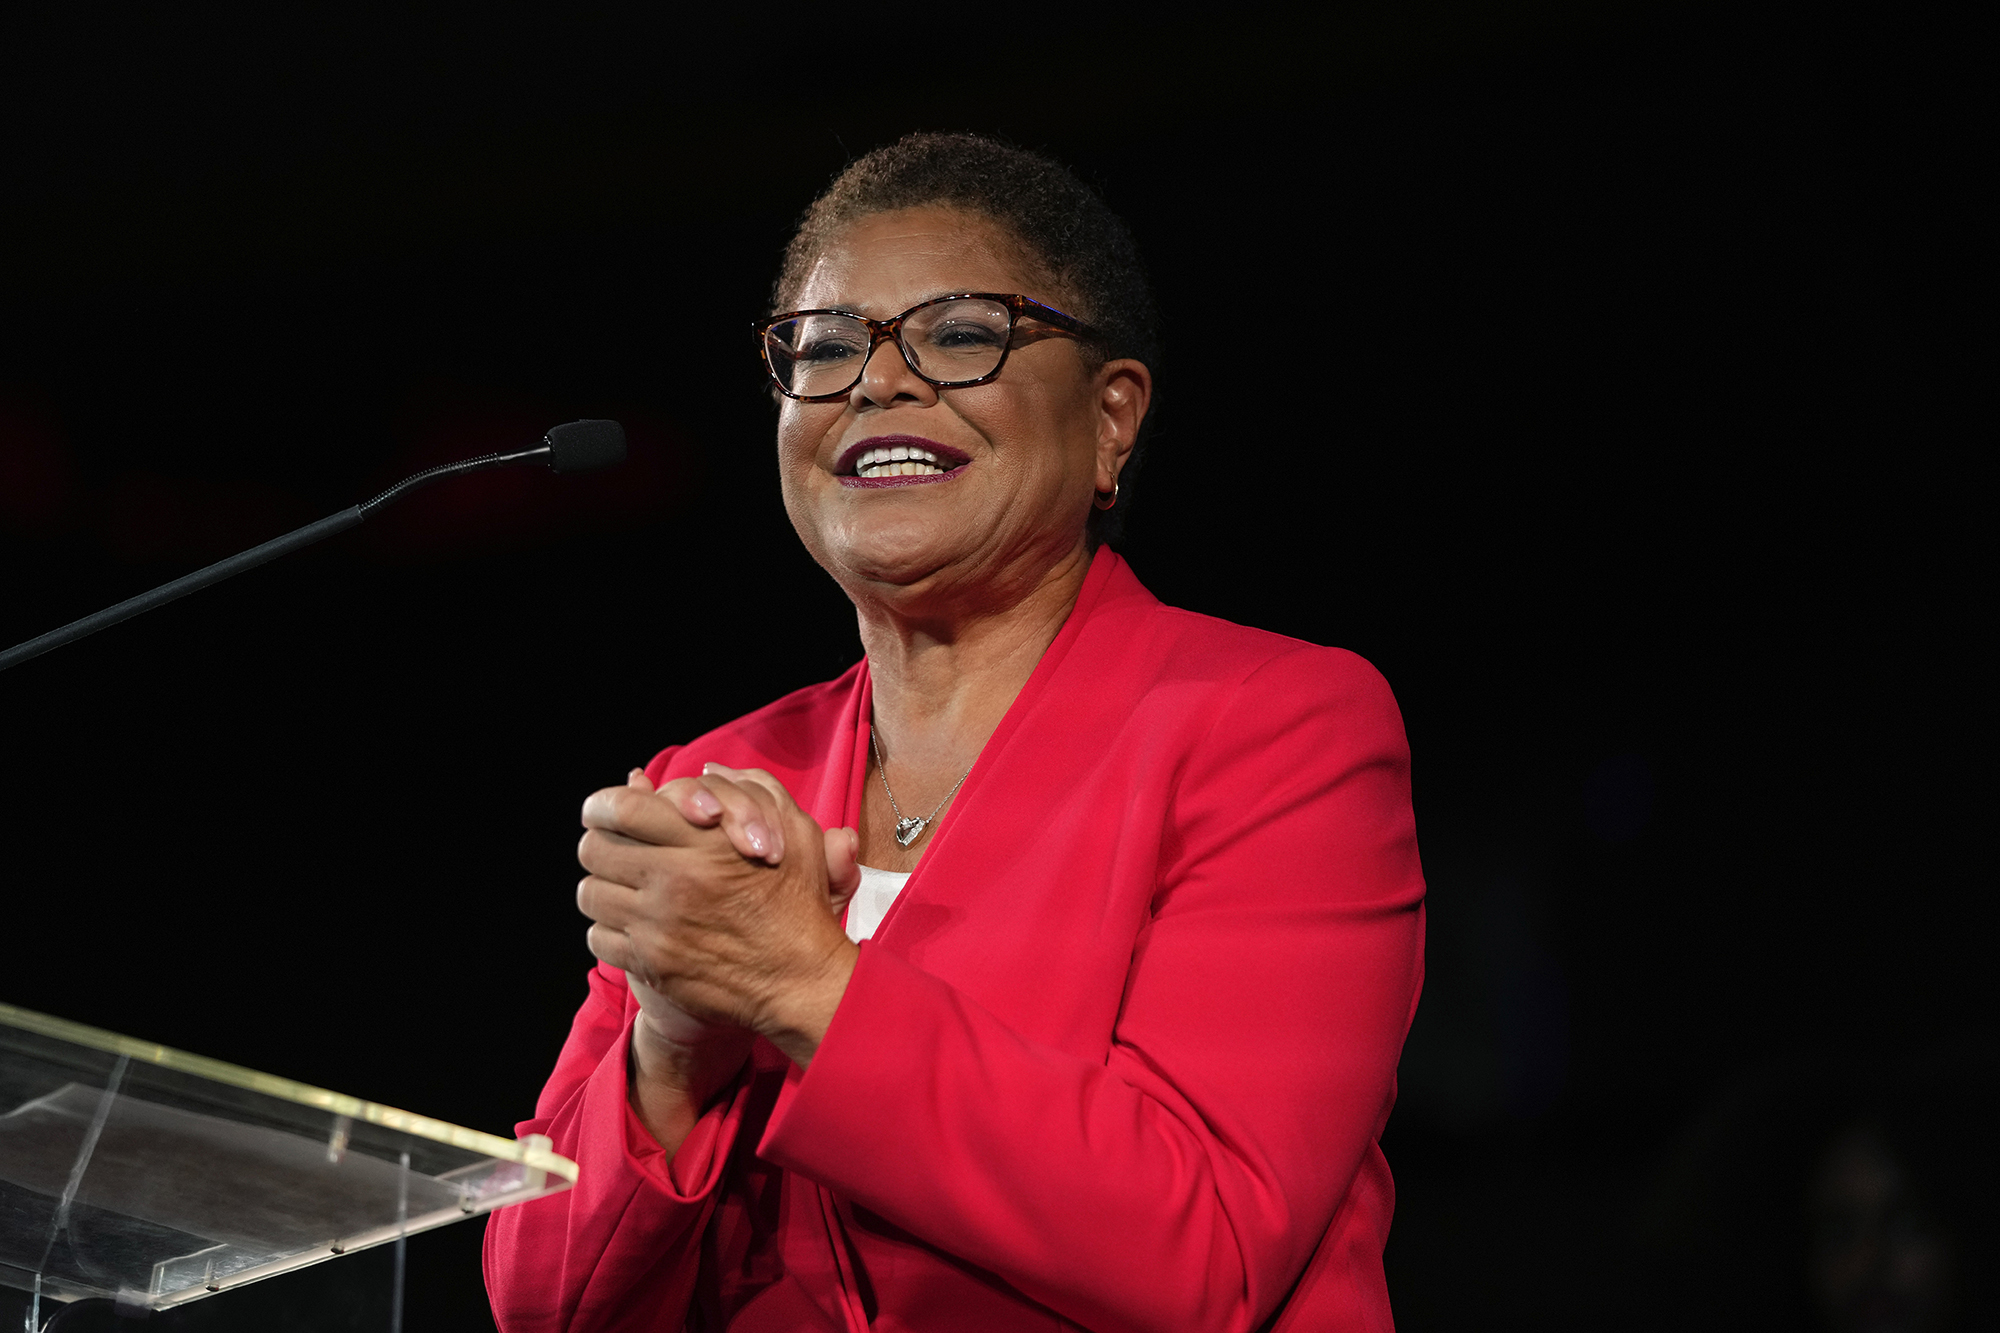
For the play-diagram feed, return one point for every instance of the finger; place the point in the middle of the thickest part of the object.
(637, 778)
(752, 810)
(843, 865)
(607, 902)
(696, 802)
(612, 946)
(782, 807)
(755, 777)
(637, 815)
(699, 806)
(644, 866)
(753, 838)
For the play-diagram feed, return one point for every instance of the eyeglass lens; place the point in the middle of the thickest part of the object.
(950, 342)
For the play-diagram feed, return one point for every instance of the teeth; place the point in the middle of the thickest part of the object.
(898, 461)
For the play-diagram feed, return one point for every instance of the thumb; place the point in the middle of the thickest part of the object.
(843, 865)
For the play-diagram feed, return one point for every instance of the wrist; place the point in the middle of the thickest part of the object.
(797, 1018)
(695, 1061)
(670, 1083)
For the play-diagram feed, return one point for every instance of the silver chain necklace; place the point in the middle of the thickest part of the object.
(909, 830)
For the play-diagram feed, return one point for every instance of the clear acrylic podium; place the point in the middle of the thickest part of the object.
(154, 1177)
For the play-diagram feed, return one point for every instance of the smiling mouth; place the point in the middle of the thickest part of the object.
(900, 461)
(884, 457)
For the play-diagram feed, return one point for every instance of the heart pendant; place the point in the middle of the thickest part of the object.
(907, 831)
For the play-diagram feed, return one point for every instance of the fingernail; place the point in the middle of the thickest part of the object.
(704, 803)
(758, 837)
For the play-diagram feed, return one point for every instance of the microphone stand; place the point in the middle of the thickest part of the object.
(563, 454)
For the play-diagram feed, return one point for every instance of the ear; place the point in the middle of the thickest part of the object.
(1124, 389)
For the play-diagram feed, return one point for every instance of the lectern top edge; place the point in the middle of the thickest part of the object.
(530, 1154)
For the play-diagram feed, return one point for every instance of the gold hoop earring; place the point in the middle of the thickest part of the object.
(1106, 499)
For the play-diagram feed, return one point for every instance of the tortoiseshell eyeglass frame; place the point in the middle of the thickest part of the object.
(878, 329)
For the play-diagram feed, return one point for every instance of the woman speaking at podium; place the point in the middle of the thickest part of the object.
(1049, 968)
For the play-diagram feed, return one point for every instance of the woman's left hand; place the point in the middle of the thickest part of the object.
(730, 938)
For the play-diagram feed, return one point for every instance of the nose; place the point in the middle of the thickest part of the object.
(889, 379)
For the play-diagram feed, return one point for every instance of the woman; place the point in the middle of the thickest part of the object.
(1117, 1053)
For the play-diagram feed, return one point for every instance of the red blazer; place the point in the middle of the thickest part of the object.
(1118, 1057)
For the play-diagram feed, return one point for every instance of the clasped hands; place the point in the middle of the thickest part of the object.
(719, 898)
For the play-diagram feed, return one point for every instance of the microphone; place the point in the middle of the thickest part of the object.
(584, 446)
(580, 446)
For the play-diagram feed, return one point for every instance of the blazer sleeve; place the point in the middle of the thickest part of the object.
(1183, 1180)
(620, 1249)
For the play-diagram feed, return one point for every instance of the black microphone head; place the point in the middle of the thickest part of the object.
(582, 446)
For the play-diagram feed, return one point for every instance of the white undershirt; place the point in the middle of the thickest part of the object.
(871, 902)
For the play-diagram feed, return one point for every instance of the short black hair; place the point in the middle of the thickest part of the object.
(1064, 226)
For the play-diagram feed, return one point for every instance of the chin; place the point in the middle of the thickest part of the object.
(902, 568)
(896, 552)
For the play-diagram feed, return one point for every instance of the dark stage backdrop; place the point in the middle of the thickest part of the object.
(1595, 370)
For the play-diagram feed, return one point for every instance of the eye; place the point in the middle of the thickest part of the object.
(959, 331)
(829, 348)
(965, 334)
(819, 341)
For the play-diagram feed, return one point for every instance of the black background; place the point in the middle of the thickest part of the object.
(1598, 371)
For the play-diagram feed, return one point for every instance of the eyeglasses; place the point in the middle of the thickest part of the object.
(952, 342)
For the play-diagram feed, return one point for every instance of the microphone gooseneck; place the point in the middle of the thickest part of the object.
(579, 446)
(425, 478)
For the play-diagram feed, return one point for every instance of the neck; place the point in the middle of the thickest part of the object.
(944, 677)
